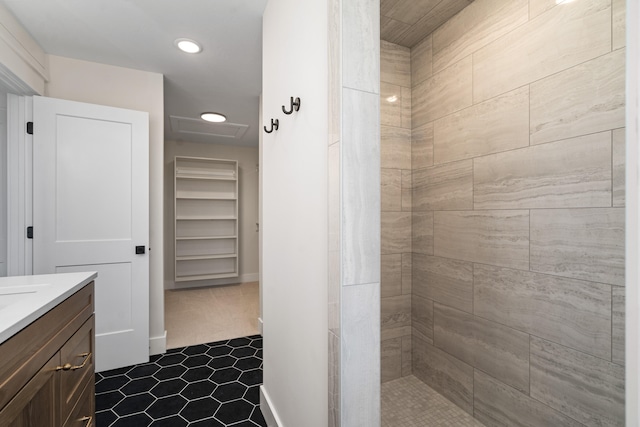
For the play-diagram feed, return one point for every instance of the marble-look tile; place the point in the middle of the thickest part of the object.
(571, 312)
(334, 380)
(422, 146)
(390, 190)
(390, 105)
(407, 190)
(488, 237)
(538, 7)
(572, 173)
(406, 107)
(390, 359)
(444, 187)
(500, 351)
(586, 388)
(618, 321)
(496, 125)
(619, 162)
(422, 315)
(416, 334)
(437, 16)
(619, 17)
(333, 292)
(446, 281)
(395, 64)
(422, 233)
(360, 188)
(335, 82)
(395, 312)
(475, 26)
(361, 45)
(387, 334)
(407, 274)
(498, 405)
(443, 93)
(443, 372)
(578, 31)
(333, 159)
(585, 244)
(421, 61)
(391, 274)
(396, 232)
(406, 356)
(360, 355)
(587, 98)
(395, 145)
(408, 11)
(392, 30)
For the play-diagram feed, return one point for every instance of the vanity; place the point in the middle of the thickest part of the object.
(46, 350)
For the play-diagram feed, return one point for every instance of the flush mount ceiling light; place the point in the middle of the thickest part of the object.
(188, 46)
(213, 117)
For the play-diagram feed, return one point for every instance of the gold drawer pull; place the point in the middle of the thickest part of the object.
(70, 367)
(88, 420)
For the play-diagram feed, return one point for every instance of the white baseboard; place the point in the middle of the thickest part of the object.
(268, 411)
(243, 278)
(158, 345)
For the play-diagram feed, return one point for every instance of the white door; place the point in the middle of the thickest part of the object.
(91, 210)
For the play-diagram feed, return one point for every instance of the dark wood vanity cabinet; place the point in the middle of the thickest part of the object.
(46, 370)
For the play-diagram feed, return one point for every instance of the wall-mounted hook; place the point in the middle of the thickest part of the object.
(295, 105)
(274, 126)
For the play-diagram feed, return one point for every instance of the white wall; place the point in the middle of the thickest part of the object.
(247, 158)
(294, 214)
(136, 90)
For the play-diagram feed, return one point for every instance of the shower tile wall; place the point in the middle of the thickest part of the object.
(396, 216)
(517, 296)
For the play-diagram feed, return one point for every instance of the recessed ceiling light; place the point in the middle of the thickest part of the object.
(188, 46)
(213, 117)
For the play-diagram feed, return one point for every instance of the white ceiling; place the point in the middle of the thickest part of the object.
(225, 77)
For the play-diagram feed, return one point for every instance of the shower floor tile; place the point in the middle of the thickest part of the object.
(408, 402)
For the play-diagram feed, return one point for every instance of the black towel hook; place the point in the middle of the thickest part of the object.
(275, 123)
(295, 105)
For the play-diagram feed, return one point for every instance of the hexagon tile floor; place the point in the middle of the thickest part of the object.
(206, 385)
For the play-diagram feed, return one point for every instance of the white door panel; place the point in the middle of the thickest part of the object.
(91, 209)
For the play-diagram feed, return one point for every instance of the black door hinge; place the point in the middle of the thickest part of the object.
(29, 232)
(30, 128)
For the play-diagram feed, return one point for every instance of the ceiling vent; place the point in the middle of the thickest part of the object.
(201, 127)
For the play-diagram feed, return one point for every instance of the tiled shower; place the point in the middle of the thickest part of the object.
(502, 223)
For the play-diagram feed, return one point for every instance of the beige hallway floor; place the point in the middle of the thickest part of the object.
(202, 315)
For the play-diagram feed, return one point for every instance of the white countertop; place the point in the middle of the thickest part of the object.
(24, 299)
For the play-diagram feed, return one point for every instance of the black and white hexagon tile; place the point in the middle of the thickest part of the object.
(206, 385)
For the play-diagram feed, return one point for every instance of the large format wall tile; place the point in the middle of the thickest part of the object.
(537, 7)
(360, 188)
(422, 146)
(390, 105)
(446, 281)
(577, 31)
(488, 237)
(443, 372)
(396, 232)
(475, 26)
(406, 107)
(395, 64)
(391, 29)
(619, 17)
(391, 189)
(421, 61)
(586, 388)
(618, 320)
(395, 312)
(408, 11)
(584, 99)
(444, 187)
(443, 93)
(585, 244)
(442, 11)
(571, 173)
(422, 233)
(570, 312)
(390, 359)
(619, 167)
(499, 124)
(407, 368)
(422, 315)
(360, 54)
(395, 146)
(391, 275)
(498, 405)
(406, 274)
(407, 191)
(495, 349)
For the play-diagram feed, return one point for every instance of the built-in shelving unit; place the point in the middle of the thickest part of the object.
(206, 219)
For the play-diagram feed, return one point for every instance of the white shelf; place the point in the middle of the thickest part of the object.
(206, 204)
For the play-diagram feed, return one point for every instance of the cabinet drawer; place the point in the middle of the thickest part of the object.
(83, 414)
(77, 355)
